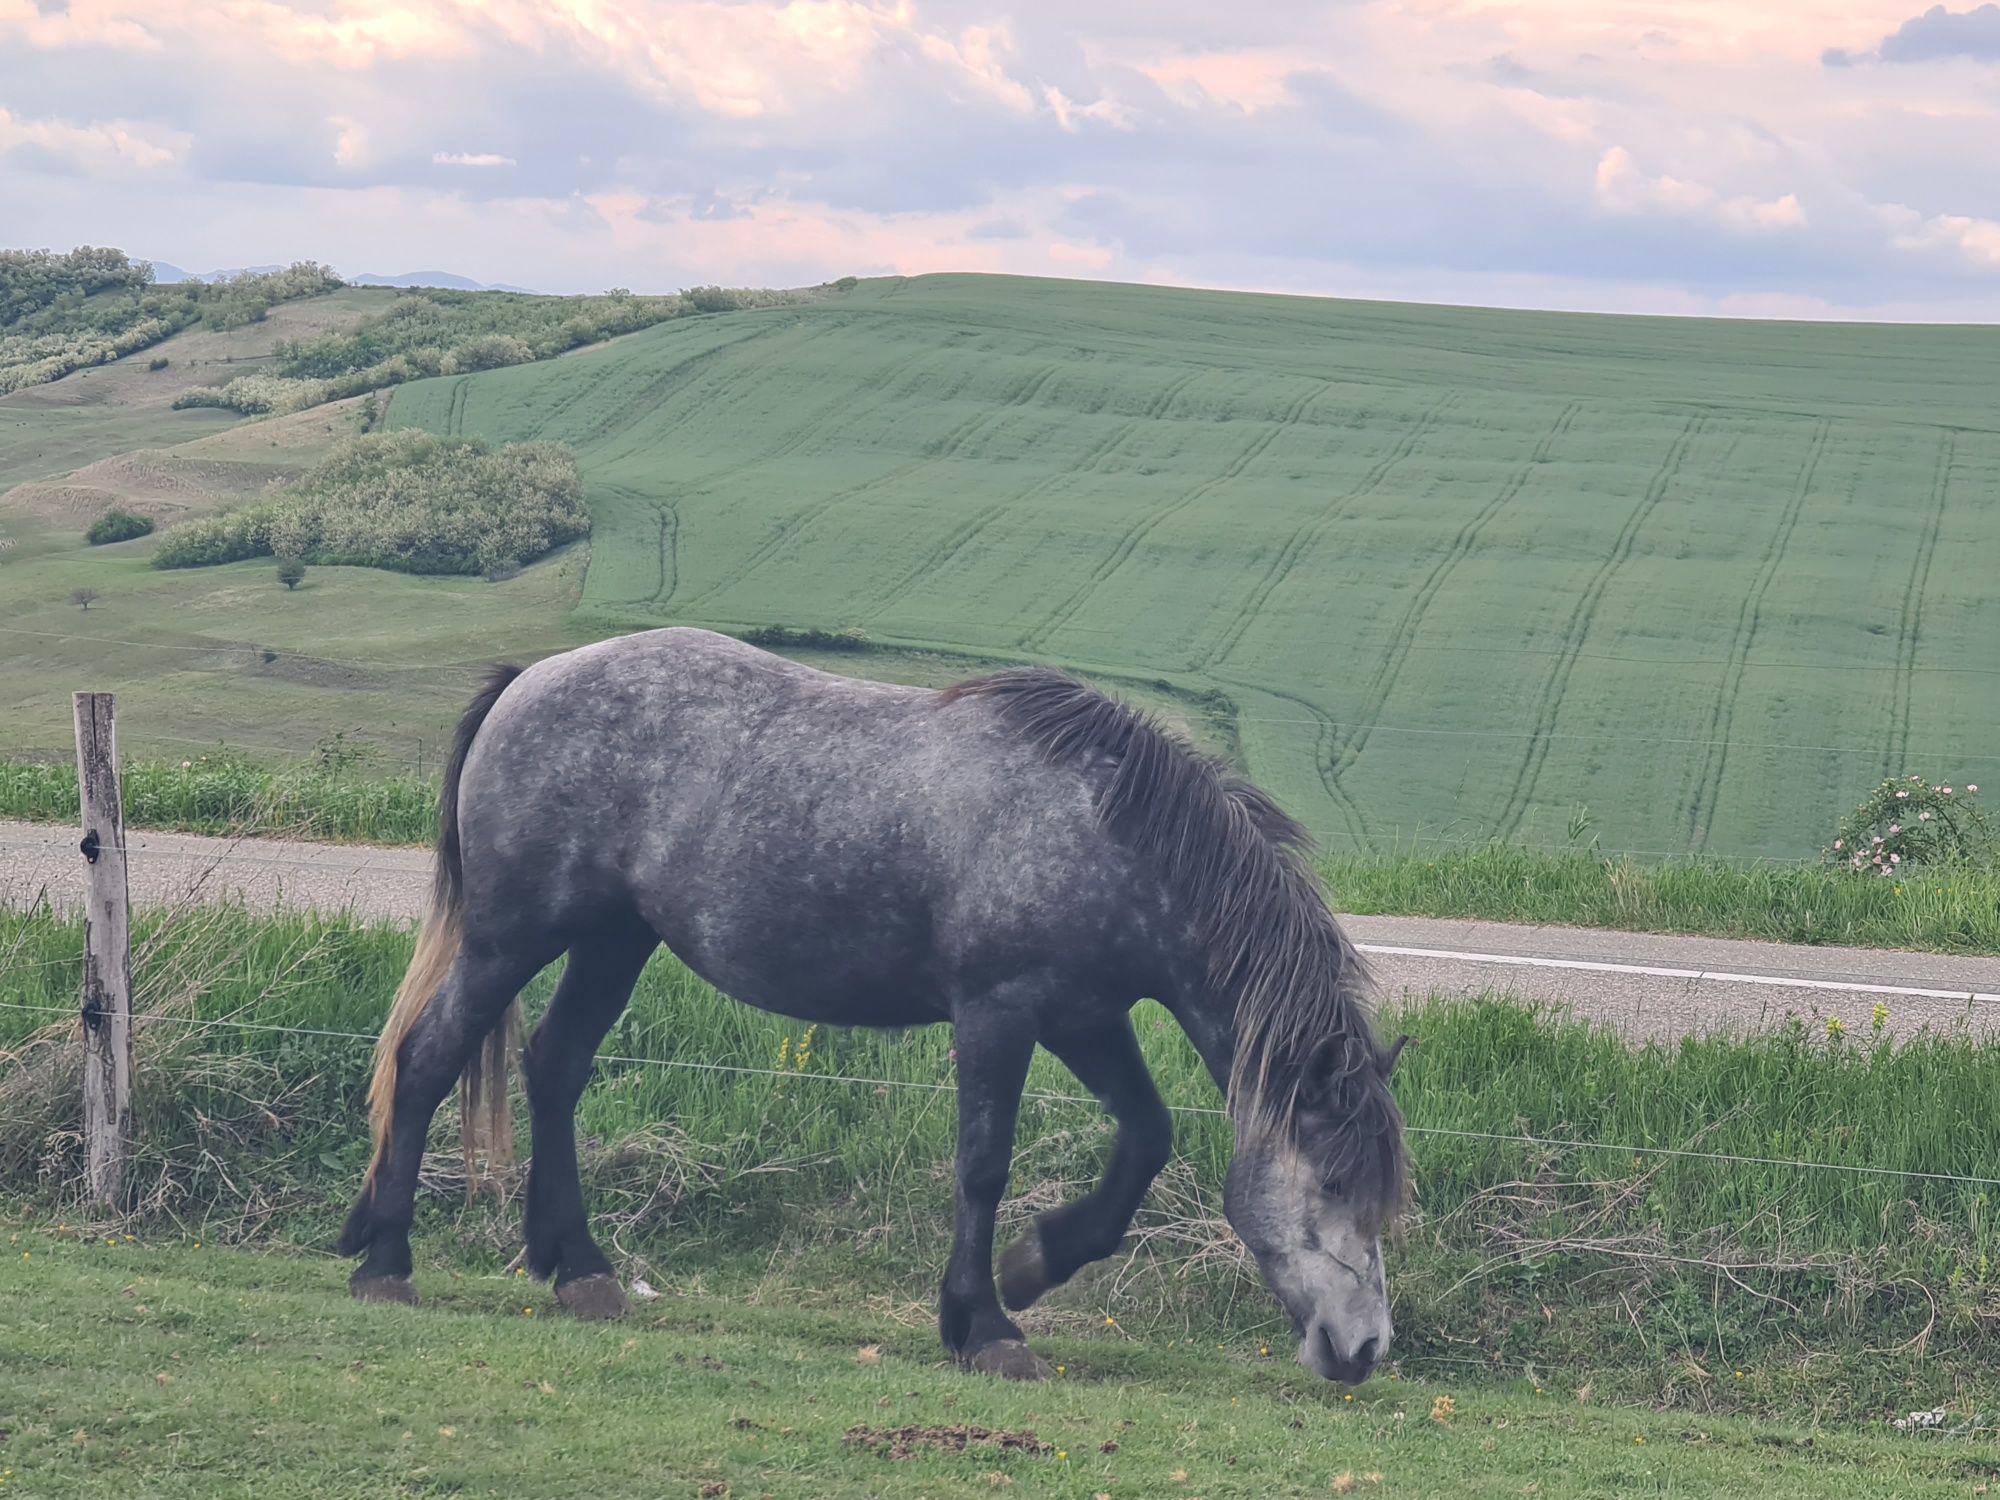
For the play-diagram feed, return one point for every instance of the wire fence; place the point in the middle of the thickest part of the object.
(793, 1075)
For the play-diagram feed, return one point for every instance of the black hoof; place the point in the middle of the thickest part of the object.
(1010, 1359)
(1024, 1276)
(383, 1289)
(596, 1299)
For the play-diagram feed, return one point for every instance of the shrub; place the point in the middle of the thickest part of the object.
(1909, 821)
(83, 598)
(711, 299)
(117, 526)
(291, 573)
(847, 283)
(158, 362)
(217, 539)
(408, 501)
(492, 352)
(805, 637)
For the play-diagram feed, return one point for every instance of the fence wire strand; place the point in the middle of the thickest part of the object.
(1491, 1137)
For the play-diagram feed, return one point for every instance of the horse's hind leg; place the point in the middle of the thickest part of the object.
(1107, 1061)
(470, 1001)
(596, 984)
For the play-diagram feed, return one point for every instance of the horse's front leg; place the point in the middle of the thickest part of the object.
(1106, 1059)
(995, 1037)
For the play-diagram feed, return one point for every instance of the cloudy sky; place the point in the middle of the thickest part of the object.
(1767, 157)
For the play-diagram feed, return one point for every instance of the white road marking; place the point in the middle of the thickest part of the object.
(1657, 971)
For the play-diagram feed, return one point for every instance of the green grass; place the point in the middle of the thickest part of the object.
(1646, 1276)
(165, 1370)
(1954, 909)
(1435, 575)
(220, 792)
(1457, 572)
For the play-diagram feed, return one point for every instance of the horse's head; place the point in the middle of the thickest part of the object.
(1310, 1190)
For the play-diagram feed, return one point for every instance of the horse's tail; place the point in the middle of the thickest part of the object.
(485, 1105)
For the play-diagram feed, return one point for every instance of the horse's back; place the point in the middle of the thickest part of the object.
(781, 828)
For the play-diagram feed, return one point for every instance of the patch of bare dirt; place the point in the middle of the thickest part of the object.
(68, 504)
(901, 1443)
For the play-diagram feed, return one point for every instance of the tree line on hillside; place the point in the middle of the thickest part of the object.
(429, 331)
(61, 312)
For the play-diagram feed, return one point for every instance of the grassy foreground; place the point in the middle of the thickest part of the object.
(169, 1371)
(719, 1139)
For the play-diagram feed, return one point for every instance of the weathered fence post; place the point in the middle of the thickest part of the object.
(107, 954)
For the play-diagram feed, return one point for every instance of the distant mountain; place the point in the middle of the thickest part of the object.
(167, 274)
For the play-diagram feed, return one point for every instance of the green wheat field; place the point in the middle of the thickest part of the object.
(1436, 576)
(1439, 572)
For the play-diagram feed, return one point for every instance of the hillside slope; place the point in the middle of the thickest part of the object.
(1452, 572)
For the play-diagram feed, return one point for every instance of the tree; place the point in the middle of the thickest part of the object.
(83, 598)
(291, 572)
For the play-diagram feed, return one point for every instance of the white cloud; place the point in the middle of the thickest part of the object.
(1072, 116)
(350, 141)
(471, 159)
(1248, 81)
(1977, 241)
(1623, 188)
(114, 144)
(978, 55)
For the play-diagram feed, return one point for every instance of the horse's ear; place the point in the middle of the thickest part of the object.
(1389, 1060)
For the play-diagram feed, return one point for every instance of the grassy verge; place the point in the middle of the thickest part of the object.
(1944, 909)
(220, 791)
(170, 1371)
(1954, 910)
(1646, 1276)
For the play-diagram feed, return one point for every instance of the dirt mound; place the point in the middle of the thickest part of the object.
(905, 1442)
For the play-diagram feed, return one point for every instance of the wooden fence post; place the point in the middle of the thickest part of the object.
(107, 955)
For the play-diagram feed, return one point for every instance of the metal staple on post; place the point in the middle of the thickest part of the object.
(107, 954)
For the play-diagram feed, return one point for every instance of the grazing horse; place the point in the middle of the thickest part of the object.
(1018, 855)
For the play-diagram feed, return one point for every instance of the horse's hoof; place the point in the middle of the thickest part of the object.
(383, 1289)
(1024, 1276)
(596, 1299)
(1010, 1359)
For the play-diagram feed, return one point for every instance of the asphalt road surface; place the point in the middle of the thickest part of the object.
(1647, 985)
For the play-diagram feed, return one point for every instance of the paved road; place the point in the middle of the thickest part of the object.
(1711, 983)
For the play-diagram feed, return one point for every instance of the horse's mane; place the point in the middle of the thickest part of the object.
(1240, 868)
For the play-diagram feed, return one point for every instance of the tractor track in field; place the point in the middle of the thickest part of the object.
(1038, 636)
(1715, 756)
(1549, 702)
(657, 387)
(1309, 532)
(970, 530)
(1346, 753)
(1896, 757)
(799, 522)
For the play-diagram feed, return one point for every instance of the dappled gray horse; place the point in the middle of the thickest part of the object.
(1018, 855)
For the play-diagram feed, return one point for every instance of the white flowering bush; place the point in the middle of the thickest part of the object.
(1909, 821)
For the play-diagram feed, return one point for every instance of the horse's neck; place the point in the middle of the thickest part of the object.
(1209, 1020)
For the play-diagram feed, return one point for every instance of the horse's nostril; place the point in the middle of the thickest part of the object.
(1366, 1356)
(1324, 1349)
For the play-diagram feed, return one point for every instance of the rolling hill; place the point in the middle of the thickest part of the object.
(1434, 573)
